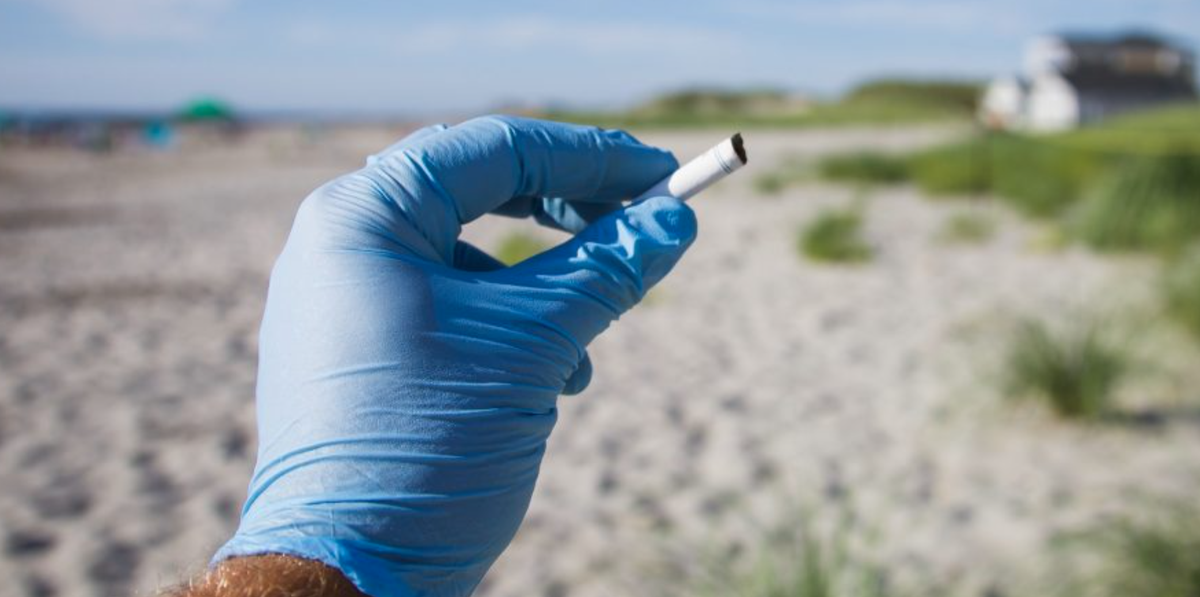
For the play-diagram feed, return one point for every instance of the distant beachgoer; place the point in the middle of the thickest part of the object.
(158, 135)
(408, 381)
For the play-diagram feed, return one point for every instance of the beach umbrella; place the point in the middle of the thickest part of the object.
(207, 109)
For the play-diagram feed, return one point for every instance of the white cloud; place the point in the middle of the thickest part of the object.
(139, 19)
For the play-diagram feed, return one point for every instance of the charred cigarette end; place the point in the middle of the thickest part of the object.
(739, 148)
(720, 161)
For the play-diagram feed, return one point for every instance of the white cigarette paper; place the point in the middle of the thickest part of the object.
(722, 160)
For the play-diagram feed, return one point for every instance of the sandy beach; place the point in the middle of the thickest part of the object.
(751, 386)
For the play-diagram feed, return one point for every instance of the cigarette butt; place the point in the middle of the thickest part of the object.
(702, 172)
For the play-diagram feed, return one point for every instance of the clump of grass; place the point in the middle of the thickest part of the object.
(1041, 177)
(770, 184)
(960, 97)
(1181, 289)
(811, 568)
(1045, 176)
(799, 561)
(517, 247)
(956, 169)
(865, 167)
(967, 228)
(1151, 203)
(1074, 369)
(791, 172)
(1158, 555)
(1038, 176)
(879, 102)
(835, 236)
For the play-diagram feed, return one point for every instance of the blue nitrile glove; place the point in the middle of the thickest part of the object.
(407, 381)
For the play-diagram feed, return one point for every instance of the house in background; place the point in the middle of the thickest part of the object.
(1070, 80)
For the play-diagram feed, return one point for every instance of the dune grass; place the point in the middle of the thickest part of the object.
(1156, 554)
(883, 102)
(1130, 184)
(797, 560)
(1036, 176)
(1074, 369)
(967, 228)
(956, 169)
(517, 247)
(837, 114)
(1140, 166)
(865, 167)
(809, 568)
(1181, 290)
(1154, 132)
(775, 181)
(770, 184)
(835, 236)
(1149, 203)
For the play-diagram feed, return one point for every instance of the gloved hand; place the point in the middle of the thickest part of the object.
(407, 381)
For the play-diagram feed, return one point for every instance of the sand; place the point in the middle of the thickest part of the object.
(751, 385)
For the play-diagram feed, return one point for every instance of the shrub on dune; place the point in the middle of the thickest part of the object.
(956, 169)
(1155, 554)
(865, 167)
(967, 227)
(798, 560)
(1181, 288)
(1150, 203)
(1041, 177)
(835, 236)
(770, 184)
(1038, 177)
(1074, 369)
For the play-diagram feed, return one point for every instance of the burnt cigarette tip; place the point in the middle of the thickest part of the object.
(739, 148)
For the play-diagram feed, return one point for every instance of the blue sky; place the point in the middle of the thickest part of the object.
(448, 57)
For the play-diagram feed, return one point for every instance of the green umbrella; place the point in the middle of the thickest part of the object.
(207, 110)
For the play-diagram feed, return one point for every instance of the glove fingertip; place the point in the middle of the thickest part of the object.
(580, 379)
(413, 137)
(666, 219)
(621, 137)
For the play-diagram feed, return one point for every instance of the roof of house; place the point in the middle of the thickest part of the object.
(1130, 84)
(1129, 65)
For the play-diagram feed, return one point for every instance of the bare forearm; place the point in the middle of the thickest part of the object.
(268, 576)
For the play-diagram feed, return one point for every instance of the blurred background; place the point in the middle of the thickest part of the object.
(942, 336)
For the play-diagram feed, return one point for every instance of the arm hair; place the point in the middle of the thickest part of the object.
(267, 576)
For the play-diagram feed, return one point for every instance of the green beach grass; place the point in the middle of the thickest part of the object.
(517, 247)
(1074, 369)
(1132, 183)
(835, 236)
(1181, 290)
(883, 102)
(967, 227)
(1155, 552)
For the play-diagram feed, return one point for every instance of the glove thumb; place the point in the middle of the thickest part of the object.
(610, 265)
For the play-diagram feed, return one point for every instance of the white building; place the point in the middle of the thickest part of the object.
(1071, 80)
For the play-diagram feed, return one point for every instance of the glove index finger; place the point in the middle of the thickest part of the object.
(607, 268)
(426, 187)
(483, 163)
(411, 138)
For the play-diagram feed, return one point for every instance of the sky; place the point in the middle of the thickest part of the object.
(428, 58)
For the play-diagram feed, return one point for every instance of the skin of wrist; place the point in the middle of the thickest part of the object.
(271, 575)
